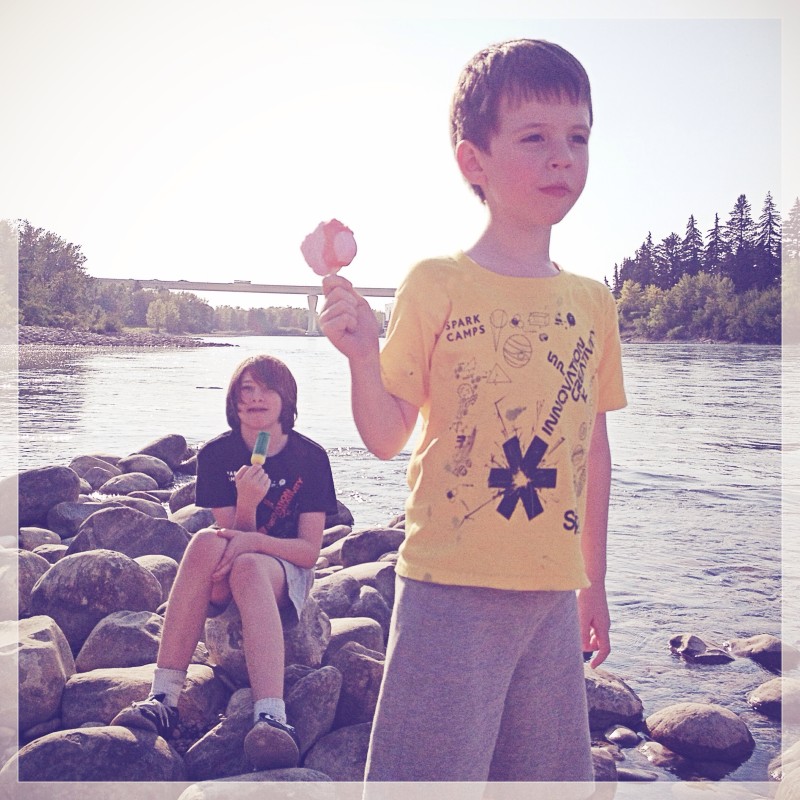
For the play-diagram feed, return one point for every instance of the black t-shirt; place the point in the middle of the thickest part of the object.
(301, 480)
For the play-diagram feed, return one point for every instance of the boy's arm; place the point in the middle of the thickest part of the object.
(593, 612)
(384, 421)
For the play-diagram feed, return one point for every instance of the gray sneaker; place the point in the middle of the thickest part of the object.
(271, 744)
(149, 715)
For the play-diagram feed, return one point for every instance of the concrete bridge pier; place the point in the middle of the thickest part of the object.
(313, 327)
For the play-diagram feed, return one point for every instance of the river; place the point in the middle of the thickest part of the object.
(695, 518)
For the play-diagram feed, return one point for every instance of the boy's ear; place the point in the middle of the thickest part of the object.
(468, 158)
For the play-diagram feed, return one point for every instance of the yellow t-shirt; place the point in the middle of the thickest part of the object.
(508, 374)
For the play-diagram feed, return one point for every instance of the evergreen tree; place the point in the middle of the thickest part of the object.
(692, 249)
(791, 233)
(739, 234)
(667, 261)
(768, 245)
(716, 250)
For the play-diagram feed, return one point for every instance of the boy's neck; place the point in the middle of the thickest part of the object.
(519, 254)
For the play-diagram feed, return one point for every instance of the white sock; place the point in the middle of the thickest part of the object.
(274, 706)
(168, 682)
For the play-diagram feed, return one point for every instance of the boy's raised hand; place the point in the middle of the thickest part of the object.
(348, 320)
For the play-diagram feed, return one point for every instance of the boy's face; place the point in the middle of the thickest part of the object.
(259, 406)
(537, 162)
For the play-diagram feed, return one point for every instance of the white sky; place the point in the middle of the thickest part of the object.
(203, 140)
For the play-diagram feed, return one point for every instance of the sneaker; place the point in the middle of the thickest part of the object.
(149, 715)
(272, 744)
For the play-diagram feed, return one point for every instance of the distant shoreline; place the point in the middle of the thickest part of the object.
(60, 337)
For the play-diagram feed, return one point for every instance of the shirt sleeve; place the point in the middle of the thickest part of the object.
(610, 380)
(213, 489)
(319, 493)
(420, 312)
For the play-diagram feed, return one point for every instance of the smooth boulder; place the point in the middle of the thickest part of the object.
(122, 639)
(341, 754)
(31, 567)
(610, 700)
(702, 731)
(157, 469)
(81, 589)
(131, 532)
(45, 664)
(40, 489)
(171, 449)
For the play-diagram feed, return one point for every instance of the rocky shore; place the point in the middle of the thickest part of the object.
(97, 550)
(33, 334)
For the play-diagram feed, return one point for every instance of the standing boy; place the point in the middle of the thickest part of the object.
(512, 362)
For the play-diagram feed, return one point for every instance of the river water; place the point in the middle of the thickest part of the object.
(695, 518)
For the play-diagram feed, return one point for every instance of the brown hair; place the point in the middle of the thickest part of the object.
(517, 69)
(272, 373)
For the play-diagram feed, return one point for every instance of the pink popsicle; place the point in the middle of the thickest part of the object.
(329, 247)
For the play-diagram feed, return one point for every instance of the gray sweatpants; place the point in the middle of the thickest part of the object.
(481, 684)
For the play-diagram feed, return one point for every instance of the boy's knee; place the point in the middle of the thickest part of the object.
(255, 569)
(205, 542)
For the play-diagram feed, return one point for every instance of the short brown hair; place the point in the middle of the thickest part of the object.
(517, 69)
(272, 373)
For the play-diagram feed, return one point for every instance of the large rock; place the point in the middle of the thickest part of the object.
(220, 752)
(702, 731)
(131, 532)
(182, 496)
(129, 482)
(45, 664)
(610, 700)
(336, 593)
(81, 589)
(379, 575)
(122, 639)
(155, 467)
(97, 697)
(193, 518)
(342, 754)
(95, 471)
(362, 630)
(361, 547)
(362, 673)
(97, 754)
(164, 568)
(40, 489)
(305, 642)
(370, 603)
(778, 698)
(31, 567)
(311, 705)
(170, 449)
(334, 534)
(341, 516)
(31, 537)
(768, 651)
(151, 507)
(67, 517)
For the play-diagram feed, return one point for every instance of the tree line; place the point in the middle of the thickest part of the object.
(725, 285)
(55, 291)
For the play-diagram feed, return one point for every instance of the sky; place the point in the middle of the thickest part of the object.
(203, 140)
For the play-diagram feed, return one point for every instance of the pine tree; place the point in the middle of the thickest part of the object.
(692, 249)
(768, 246)
(739, 235)
(791, 233)
(716, 250)
(667, 262)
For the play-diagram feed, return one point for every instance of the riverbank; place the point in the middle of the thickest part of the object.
(34, 334)
(84, 522)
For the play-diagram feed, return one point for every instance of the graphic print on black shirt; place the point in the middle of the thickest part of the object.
(300, 475)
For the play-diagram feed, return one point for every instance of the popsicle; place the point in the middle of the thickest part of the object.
(259, 455)
(329, 247)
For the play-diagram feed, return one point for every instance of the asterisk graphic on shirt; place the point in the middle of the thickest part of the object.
(523, 476)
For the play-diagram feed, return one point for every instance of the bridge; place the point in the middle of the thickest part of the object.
(312, 293)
